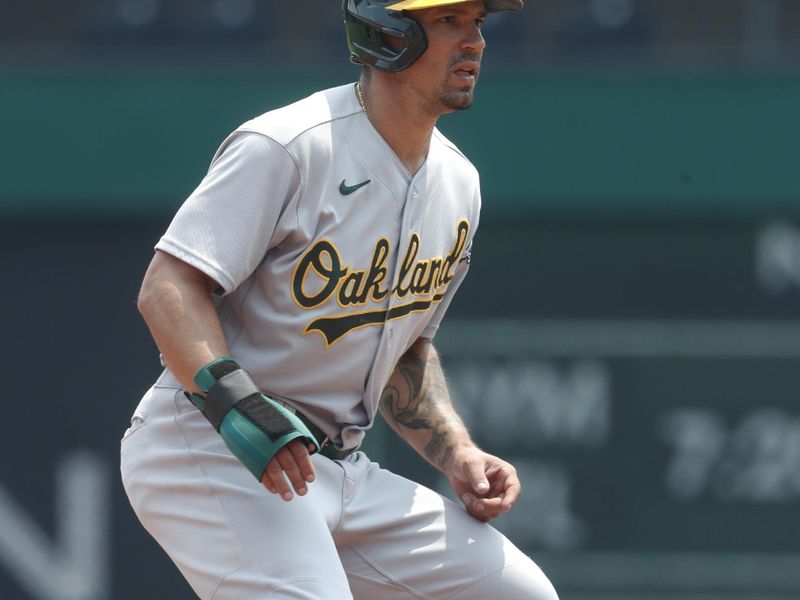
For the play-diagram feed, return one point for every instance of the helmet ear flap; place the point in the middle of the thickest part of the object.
(367, 25)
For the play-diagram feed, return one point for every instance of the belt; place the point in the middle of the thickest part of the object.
(326, 446)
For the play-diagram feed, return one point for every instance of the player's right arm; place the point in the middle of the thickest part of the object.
(175, 302)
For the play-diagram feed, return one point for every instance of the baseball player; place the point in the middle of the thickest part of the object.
(296, 293)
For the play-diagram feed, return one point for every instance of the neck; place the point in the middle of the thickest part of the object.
(398, 116)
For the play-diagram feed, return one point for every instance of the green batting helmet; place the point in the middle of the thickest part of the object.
(368, 21)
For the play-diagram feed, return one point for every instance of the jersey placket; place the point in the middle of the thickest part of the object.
(412, 209)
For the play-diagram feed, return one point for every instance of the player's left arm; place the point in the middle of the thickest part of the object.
(416, 403)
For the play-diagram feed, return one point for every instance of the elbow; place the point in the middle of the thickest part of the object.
(145, 301)
(142, 302)
(152, 292)
(422, 347)
(169, 285)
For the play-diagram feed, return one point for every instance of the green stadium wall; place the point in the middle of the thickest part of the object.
(127, 141)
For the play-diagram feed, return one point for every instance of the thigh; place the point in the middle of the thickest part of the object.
(401, 540)
(229, 537)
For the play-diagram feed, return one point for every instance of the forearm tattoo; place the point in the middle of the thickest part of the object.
(416, 398)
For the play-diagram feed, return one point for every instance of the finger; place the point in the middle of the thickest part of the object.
(472, 505)
(303, 459)
(497, 478)
(275, 481)
(485, 508)
(513, 489)
(504, 483)
(493, 506)
(291, 470)
(477, 508)
(477, 477)
(265, 481)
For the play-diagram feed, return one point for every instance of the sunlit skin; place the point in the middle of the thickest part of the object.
(405, 106)
(444, 77)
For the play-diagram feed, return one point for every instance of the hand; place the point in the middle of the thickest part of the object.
(293, 461)
(488, 486)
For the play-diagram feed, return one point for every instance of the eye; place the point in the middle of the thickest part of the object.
(448, 19)
(479, 22)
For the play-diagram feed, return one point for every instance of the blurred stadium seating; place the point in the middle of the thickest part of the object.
(650, 31)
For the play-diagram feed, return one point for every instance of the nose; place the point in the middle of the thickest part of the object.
(473, 40)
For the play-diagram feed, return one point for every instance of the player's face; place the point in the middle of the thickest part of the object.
(446, 74)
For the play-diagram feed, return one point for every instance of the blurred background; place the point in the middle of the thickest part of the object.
(629, 334)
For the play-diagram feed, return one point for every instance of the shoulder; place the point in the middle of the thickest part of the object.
(318, 110)
(457, 177)
(452, 156)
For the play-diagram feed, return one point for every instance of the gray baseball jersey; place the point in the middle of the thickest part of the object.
(333, 258)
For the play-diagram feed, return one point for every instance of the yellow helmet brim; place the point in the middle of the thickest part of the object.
(491, 5)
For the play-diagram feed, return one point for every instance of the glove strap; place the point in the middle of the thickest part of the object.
(237, 389)
(228, 386)
(213, 371)
(253, 426)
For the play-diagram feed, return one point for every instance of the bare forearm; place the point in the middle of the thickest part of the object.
(176, 305)
(416, 403)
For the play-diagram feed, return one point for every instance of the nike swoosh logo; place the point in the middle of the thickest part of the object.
(345, 189)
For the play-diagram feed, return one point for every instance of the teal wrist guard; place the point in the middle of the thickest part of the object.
(253, 426)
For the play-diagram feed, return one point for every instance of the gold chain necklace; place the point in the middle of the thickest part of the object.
(360, 96)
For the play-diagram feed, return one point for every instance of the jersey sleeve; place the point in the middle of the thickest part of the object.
(225, 227)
